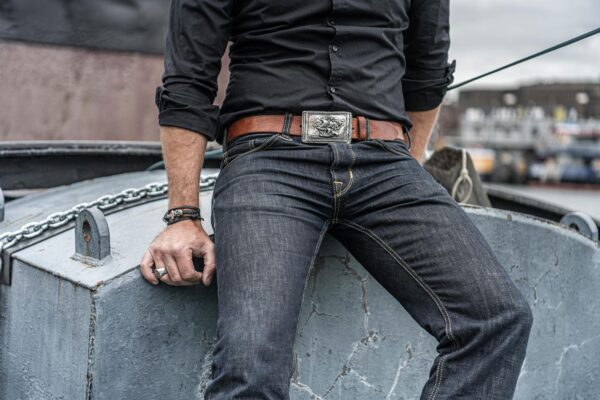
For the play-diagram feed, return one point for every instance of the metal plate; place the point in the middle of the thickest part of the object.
(326, 126)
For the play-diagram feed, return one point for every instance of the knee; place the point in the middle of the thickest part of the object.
(260, 348)
(519, 316)
(250, 365)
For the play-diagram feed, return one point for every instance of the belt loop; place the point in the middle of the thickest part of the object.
(224, 146)
(287, 122)
(405, 129)
(368, 129)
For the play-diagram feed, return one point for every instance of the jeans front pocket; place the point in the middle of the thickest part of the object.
(397, 147)
(247, 144)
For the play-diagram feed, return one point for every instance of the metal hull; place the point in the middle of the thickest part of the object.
(69, 330)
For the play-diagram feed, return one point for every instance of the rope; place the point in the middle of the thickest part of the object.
(522, 60)
(463, 177)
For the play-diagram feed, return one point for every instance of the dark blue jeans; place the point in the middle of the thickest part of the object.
(275, 199)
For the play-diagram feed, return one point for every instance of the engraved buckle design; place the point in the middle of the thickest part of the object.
(326, 126)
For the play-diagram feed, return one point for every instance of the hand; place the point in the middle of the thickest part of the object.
(173, 249)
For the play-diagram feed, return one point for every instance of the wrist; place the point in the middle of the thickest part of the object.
(182, 213)
(187, 224)
(183, 202)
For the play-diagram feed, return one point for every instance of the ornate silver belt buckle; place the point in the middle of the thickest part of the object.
(326, 126)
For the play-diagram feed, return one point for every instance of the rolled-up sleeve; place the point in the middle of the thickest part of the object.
(197, 36)
(426, 45)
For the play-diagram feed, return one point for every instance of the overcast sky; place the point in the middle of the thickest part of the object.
(489, 33)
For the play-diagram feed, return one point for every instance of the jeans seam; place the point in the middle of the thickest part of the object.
(225, 157)
(350, 174)
(335, 191)
(424, 286)
(438, 377)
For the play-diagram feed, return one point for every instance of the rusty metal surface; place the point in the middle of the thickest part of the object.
(80, 94)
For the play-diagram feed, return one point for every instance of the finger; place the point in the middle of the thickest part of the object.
(169, 264)
(210, 265)
(172, 269)
(187, 270)
(167, 280)
(146, 268)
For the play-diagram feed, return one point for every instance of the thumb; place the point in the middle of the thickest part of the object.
(207, 253)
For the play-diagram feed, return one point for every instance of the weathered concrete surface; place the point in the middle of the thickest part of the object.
(117, 337)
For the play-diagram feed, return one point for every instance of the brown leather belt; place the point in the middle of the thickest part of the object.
(378, 129)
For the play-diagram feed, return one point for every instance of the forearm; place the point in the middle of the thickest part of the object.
(423, 123)
(183, 153)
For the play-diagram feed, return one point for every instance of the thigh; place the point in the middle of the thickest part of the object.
(423, 247)
(268, 224)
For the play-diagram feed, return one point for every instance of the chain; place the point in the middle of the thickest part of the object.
(58, 219)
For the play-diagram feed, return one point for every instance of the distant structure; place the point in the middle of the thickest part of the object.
(542, 131)
(582, 98)
(530, 116)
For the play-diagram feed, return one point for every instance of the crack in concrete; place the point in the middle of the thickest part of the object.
(307, 389)
(314, 311)
(299, 385)
(363, 297)
(363, 379)
(401, 366)
(566, 349)
(543, 275)
(367, 340)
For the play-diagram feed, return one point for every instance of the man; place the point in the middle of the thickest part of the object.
(315, 125)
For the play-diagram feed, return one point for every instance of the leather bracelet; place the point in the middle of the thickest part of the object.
(181, 213)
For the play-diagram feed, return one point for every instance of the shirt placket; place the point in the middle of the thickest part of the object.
(335, 83)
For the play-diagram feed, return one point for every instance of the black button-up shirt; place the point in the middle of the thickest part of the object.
(377, 58)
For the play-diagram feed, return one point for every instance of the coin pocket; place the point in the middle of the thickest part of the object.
(397, 147)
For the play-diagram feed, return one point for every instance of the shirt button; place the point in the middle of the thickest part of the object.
(331, 22)
(334, 48)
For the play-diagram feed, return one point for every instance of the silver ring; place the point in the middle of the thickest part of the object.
(159, 272)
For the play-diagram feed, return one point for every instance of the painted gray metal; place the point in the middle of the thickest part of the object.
(548, 202)
(69, 330)
(92, 237)
(581, 222)
(1, 205)
(38, 206)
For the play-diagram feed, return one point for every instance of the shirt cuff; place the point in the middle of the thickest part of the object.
(426, 90)
(184, 111)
